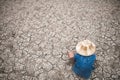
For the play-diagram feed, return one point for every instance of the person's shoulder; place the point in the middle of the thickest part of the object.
(93, 56)
(77, 55)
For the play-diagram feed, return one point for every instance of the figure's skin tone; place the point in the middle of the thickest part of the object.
(71, 54)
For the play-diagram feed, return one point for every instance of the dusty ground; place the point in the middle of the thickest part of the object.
(35, 36)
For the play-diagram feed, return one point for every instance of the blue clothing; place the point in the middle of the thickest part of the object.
(83, 65)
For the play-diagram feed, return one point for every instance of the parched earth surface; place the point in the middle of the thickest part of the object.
(35, 36)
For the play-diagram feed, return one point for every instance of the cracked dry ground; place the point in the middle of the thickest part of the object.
(35, 36)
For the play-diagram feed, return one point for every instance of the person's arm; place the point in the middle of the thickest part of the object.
(71, 58)
(71, 54)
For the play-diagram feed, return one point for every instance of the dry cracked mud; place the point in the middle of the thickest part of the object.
(35, 36)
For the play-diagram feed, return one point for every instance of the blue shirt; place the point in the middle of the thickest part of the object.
(83, 65)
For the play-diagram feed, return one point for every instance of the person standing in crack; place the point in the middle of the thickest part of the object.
(84, 59)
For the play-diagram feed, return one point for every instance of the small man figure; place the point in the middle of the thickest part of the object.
(84, 59)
